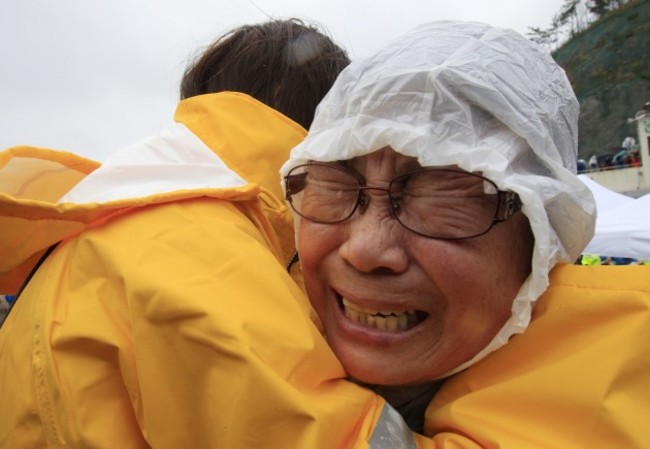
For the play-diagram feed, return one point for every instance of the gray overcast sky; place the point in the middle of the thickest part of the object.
(92, 76)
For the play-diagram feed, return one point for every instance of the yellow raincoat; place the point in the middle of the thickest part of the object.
(166, 318)
(578, 377)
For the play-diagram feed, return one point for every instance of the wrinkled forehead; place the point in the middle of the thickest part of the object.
(384, 158)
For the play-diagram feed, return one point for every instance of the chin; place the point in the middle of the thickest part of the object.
(377, 373)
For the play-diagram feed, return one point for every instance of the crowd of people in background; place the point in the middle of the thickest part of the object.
(594, 259)
(626, 156)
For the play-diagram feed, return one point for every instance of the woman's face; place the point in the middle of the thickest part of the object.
(400, 308)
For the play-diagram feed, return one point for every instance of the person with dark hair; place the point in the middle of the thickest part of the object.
(283, 64)
(163, 315)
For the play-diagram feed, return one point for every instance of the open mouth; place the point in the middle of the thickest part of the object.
(385, 320)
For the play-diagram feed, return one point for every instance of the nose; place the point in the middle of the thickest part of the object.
(374, 239)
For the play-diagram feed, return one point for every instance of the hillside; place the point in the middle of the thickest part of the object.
(609, 67)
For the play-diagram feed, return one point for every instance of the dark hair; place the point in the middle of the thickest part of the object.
(285, 64)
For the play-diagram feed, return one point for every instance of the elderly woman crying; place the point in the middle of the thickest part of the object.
(438, 217)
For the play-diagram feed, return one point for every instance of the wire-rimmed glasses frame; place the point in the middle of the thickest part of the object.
(329, 194)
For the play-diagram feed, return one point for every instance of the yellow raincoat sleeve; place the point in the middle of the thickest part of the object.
(189, 336)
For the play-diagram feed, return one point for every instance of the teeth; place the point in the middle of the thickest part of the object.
(403, 321)
(388, 320)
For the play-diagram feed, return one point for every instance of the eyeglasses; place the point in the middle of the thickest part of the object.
(438, 203)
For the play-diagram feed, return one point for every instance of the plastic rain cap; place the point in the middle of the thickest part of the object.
(484, 99)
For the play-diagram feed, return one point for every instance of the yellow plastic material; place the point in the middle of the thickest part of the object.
(577, 378)
(170, 321)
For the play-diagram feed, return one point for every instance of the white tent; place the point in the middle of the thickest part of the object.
(605, 198)
(623, 230)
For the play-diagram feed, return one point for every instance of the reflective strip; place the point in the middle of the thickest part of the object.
(391, 432)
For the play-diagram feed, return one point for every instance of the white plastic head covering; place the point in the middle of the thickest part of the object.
(484, 99)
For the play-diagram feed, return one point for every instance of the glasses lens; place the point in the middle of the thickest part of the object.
(322, 193)
(445, 204)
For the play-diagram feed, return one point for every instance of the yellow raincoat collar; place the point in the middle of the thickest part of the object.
(229, 148)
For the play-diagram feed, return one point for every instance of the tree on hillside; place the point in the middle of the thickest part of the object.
(544, 37)
(599, 7)
(602, 7)
(573, 17)
(571, 14)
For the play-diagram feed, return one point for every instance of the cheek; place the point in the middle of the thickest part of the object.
(479, 280)
(317, 244)
(506, 266)
(315, 241)
(512, 256)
